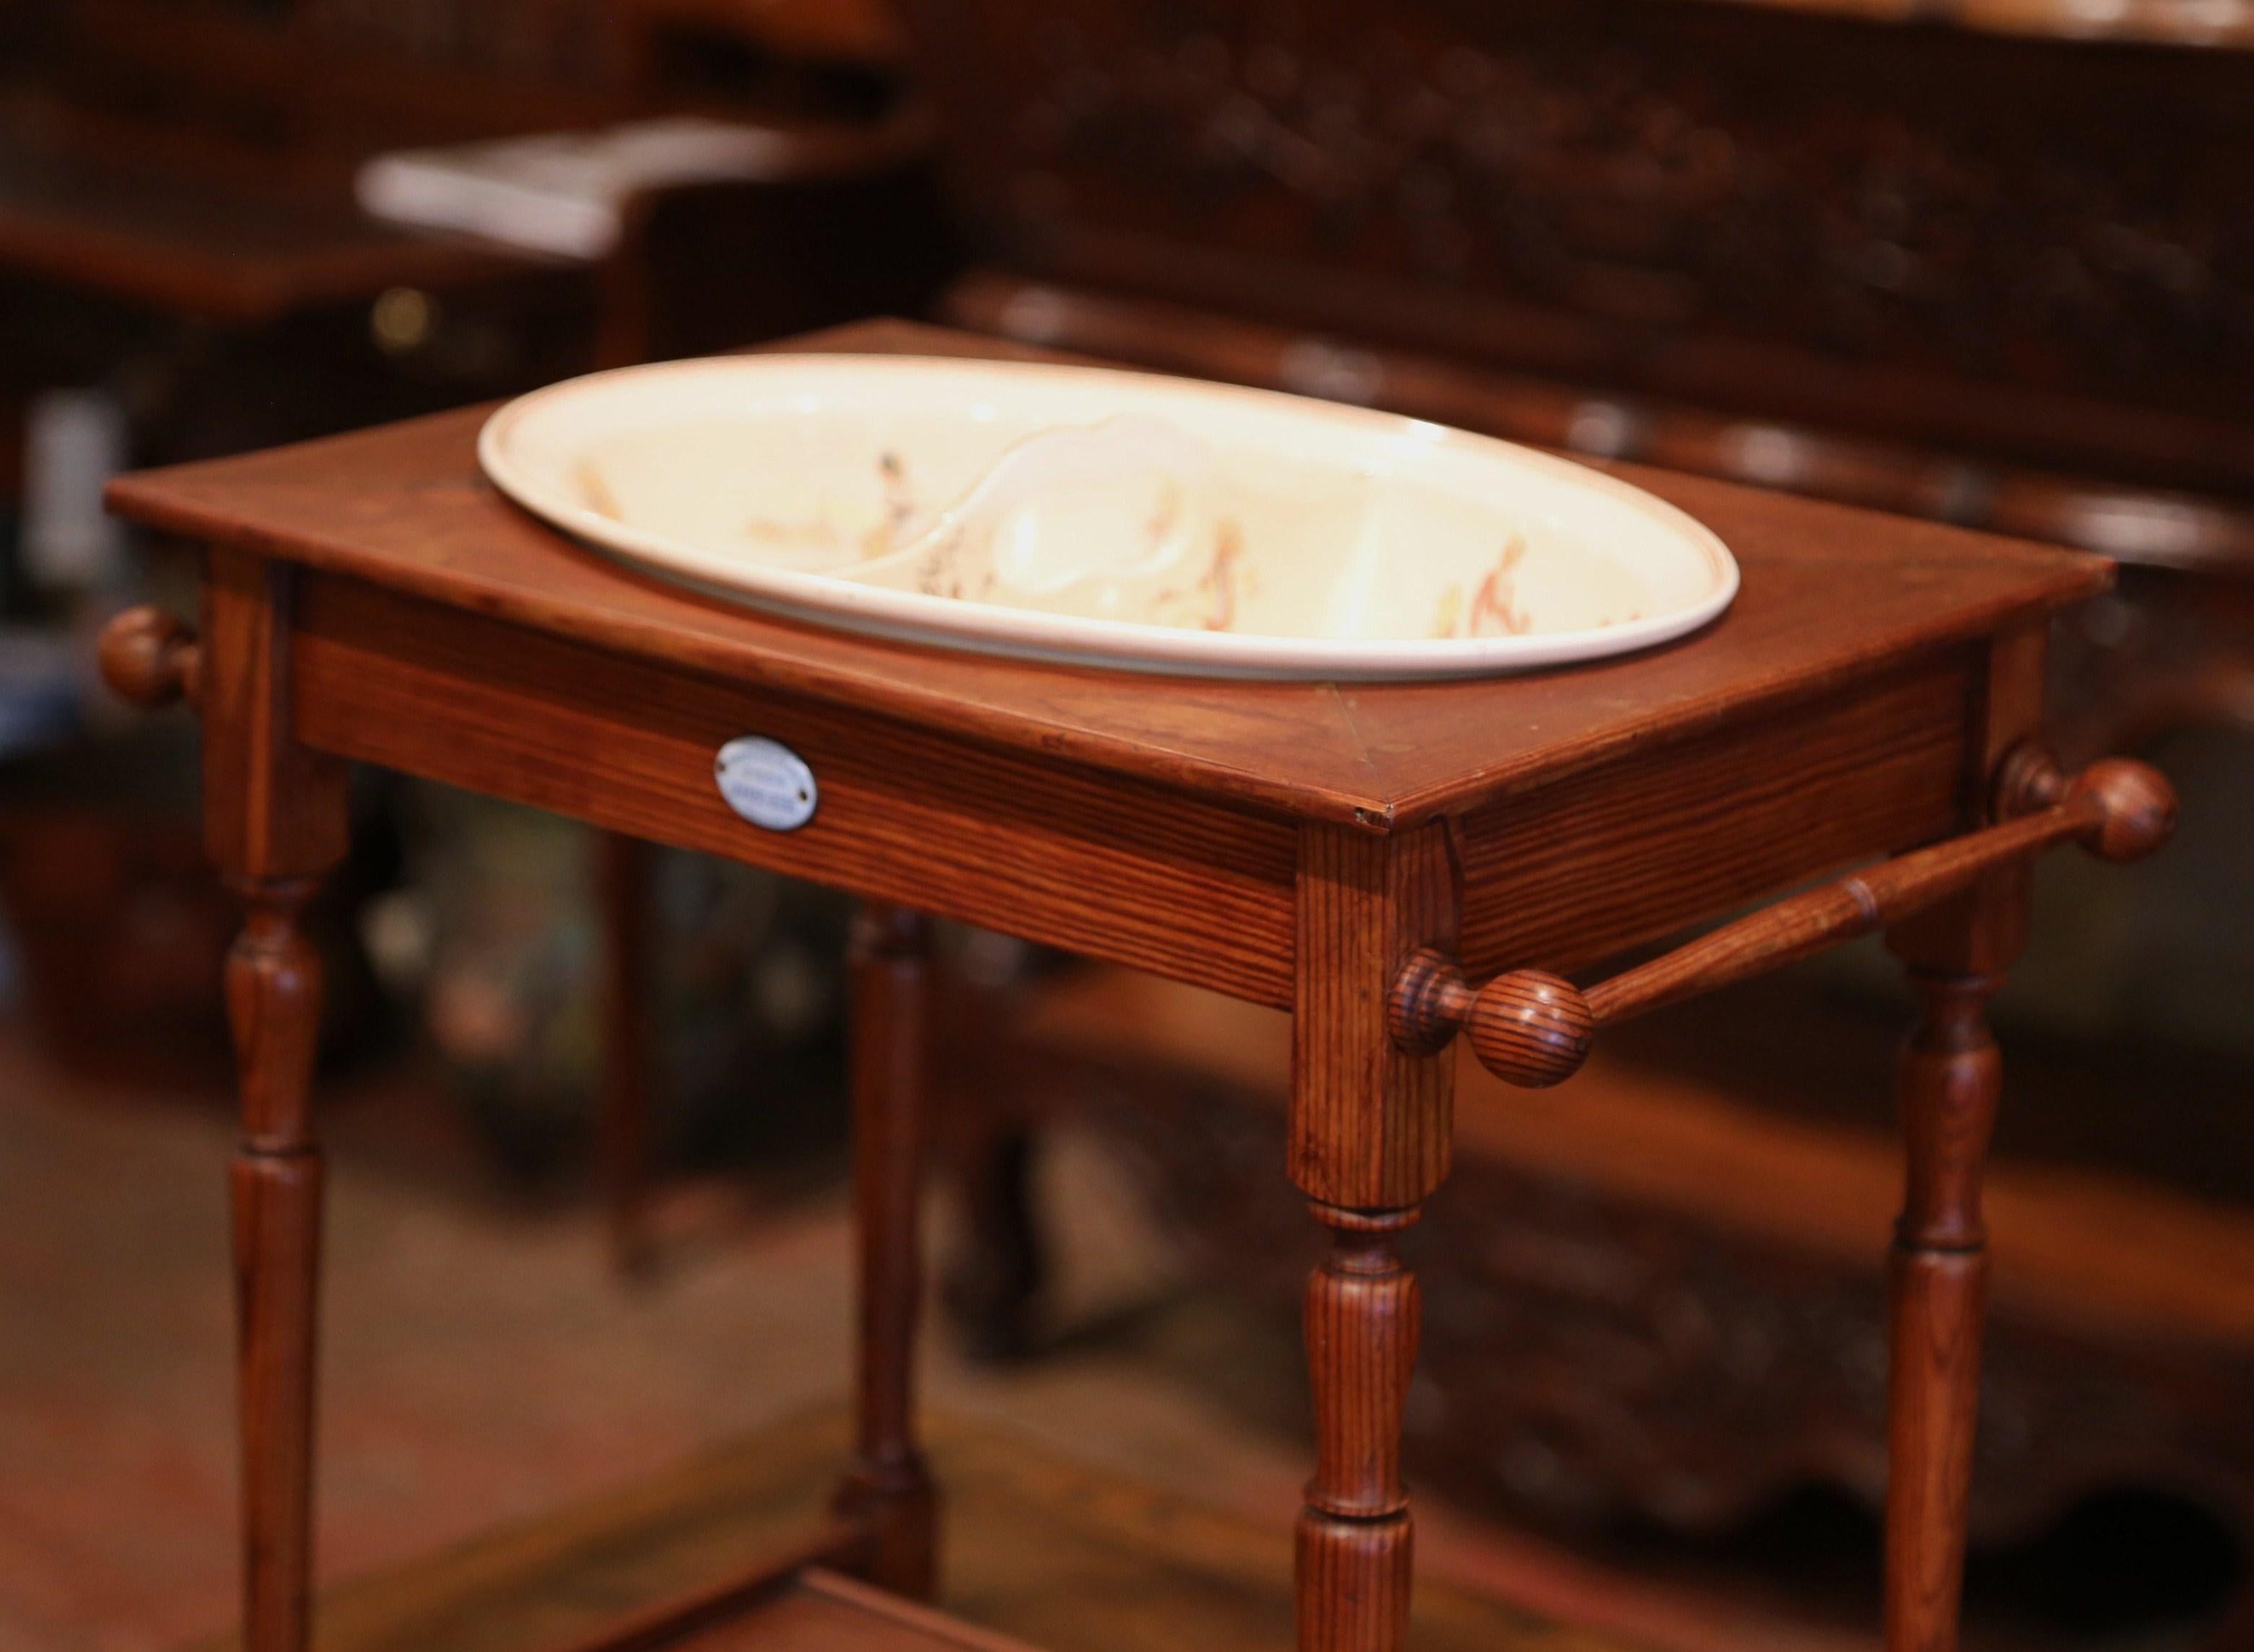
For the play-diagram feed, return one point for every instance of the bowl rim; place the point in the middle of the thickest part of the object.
(995, 628)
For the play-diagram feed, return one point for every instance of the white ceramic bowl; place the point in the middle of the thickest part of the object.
(1319, 542)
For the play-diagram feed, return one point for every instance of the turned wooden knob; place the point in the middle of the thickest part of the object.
(2126, 809)
(1533, 1029)
(1529, 1028)
(2135, 807)
(150, 658)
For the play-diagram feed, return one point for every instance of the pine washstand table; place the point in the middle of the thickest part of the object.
(1391, 863)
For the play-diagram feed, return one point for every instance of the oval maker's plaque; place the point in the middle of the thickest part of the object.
(766, 782)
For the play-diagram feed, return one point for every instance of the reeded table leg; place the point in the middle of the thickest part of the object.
(888, 1485)
(1370, 1126)
(1356, 1541)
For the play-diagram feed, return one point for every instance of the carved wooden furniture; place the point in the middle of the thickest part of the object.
(1877, 688)
(197, 165)
(177, 212)
(172, 173)
(1995, 274)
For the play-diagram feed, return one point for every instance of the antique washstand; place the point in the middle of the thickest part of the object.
(1392, 863)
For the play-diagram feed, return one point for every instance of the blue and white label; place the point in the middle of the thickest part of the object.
(766, 782)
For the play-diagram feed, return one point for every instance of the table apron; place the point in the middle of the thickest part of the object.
(1105, 865)
(1670, 833)
(1665, 835)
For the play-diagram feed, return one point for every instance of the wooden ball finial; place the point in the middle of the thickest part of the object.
(150, 658)
(1531, 1028)
(2137, 807)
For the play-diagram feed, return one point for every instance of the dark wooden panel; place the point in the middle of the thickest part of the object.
(1829, 461)
(1745, 206)
(1111, 867)
(1660, 837)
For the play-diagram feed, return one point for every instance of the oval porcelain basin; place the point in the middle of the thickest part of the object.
(1110, 517)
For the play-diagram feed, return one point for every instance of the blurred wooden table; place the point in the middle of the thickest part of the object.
(241, 250)
(1358, 854)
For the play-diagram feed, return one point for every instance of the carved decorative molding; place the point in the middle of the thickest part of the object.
(1921, 201)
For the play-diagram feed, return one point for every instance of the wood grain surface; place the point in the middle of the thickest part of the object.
(888, 1490)
(1046, 1552)
(275, 821)
(1950, 1085)
(1563, 874)
(273, 807)
(1111, 867)
(1533, 1028)
(1371, 1125)
(371, 598)
(1829, 595)
(1372, 1131)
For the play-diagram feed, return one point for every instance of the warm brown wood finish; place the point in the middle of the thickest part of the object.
(1871, 768)
(1371, 1130)
(1370, 1123)
(699, 1616)
(1950, 1085)
(1355, 1541)
(273, 990)
(1831, 597)
(1532, 1028)
(274, 817)
(623, 896)
(1951, 1081)
(2118, 809)
(889, 1490)
(1149, 1571)
(825, 1612)
(1293, 844)
(150, 658)
(1129, 871)
(273, 807)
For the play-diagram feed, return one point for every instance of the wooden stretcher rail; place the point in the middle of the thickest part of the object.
(1532, 1028)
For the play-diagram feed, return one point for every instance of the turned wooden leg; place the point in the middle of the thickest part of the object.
(888, 1487)
(1356, 1538)
(1371, 1124)
(275, 819)
(274, 1003)
(1949, 1082)
(623, 1123)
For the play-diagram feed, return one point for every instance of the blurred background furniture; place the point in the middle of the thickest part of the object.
(183, 269)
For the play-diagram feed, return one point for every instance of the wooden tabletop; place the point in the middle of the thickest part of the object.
(1828, 594)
